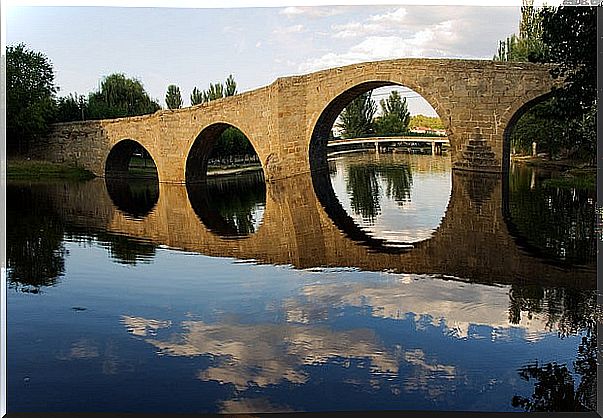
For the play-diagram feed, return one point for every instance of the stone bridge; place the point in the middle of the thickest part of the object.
(305, 226)
(289, 121)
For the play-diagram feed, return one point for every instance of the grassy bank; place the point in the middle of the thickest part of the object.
(571, 173)
(36, 170)
(574, 178)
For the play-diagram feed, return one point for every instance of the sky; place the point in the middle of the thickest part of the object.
(193, 47)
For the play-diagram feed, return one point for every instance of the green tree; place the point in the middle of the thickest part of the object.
(30, 93)
(570, 35)
(230, 88)
(356, 120)
(214, 92)
(196, 97)
(528, 45)
(119, 96)
(71, 108)
(565, 124)
(173, 98)
(395, 116)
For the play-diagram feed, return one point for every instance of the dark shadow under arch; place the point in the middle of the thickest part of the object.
(506, 158)
(199, 154)
(224, 205)
(135, 198)
(117, 164)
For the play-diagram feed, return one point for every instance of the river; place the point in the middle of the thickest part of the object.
(388, 283)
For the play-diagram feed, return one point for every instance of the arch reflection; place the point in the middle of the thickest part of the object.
(388, 201)
(135, 197)
(231, 207)
(555, 224)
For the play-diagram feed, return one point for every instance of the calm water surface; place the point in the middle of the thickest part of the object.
(388, 283)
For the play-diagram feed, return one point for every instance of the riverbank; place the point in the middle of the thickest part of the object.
(229, 171)
(18, 169)
(570, 173)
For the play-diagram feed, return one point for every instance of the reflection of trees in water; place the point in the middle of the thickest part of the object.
(364, 183)
(554, 388)
(228, 206)
(125, 250)
(34, 237)
(135, 197)
(558, 222)
(568, 311)
(363, 186)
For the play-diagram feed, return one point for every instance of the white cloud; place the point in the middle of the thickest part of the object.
(288, 29)
(374, 24)
(311, 12)
(397, 16)
(436, 41)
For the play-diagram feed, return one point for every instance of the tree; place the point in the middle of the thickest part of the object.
(119, 96)
(528, 45)
(30, 93)
(356, 120)
(196, 97)
(395, 116)
(230, 87)
(214, 92)
(71, 108)
(565, 124)
(570, 34)
(173, 98)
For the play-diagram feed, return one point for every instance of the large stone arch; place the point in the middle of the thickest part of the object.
(335, 89)
(200, 147)
(321, 123)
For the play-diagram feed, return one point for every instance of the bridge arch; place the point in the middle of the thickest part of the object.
(322, 123)
(197, 159)
(510, 119)
(117, 163)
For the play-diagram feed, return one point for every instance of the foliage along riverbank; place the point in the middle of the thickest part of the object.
(569, 173)
(17, 169)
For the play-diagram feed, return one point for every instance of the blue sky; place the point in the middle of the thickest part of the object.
(193, 47)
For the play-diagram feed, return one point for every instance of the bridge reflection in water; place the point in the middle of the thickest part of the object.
(305, 225)
(233, 337)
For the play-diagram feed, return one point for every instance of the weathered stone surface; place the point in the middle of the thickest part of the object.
(287, 121)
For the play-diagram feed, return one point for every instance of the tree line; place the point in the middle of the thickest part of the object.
(33, 105)
(563, 125)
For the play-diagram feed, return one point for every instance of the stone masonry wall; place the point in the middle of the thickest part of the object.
(474, 99)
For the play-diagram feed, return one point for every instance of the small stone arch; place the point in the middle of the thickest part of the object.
(118, 159)
(198, 154)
